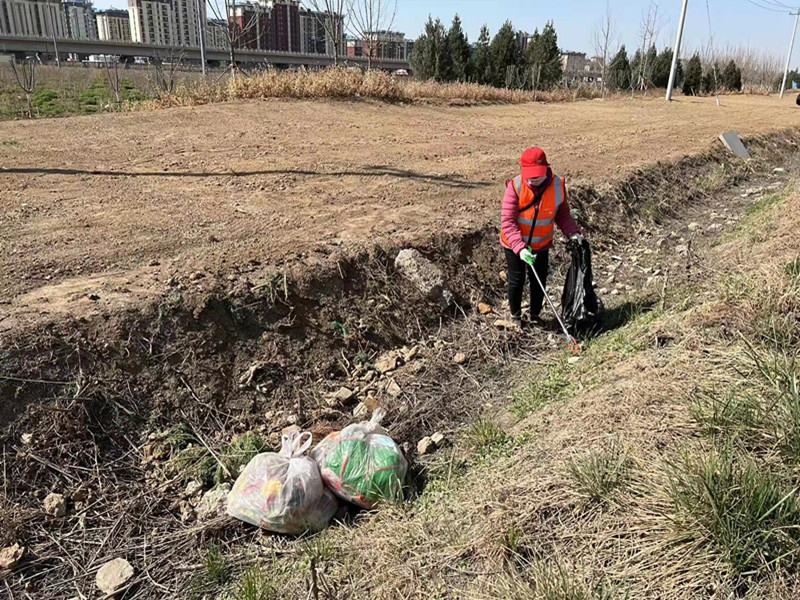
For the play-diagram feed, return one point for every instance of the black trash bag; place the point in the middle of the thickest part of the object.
(581, 309)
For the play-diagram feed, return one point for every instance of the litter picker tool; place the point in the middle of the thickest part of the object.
(572, 343)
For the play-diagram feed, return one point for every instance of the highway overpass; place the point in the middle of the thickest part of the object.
(24, 46)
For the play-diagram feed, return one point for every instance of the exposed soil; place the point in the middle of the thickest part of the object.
(101, 211)
(248, 334)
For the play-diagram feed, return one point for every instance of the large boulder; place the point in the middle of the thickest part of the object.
(423, 275)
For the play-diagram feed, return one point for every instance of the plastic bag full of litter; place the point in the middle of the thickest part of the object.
(283, 492)
(581, 309)
(362, 464)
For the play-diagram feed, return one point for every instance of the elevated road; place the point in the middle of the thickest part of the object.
(84, 48)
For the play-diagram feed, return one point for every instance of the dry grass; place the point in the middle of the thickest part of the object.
(620, 490)
(340, 83)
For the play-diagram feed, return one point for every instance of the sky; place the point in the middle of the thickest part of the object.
(734, 22)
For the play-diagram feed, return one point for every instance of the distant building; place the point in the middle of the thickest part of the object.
(80, 21)
(32, 18)
(285, 20)
(573, 64)
(217, 34)
(250, 23)
(390, 45)
(187, 21)
(113, 25)
(153, 22)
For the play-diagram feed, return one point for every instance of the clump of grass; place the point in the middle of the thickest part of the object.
(550, 580)
(485, 433)
(595, 474)
(554, 386)
(792, 268)
(742, 508)
(194, 458)
(255, 585)
(217, 570)
(736, 415)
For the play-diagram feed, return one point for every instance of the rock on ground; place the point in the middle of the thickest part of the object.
(213, 503)
(386, 363)
(425, 445)
(55, 505)
(438, 439)
(424, 275)
(114, 575)
(10, 556)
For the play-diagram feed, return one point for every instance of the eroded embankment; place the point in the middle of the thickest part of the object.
(256, 358)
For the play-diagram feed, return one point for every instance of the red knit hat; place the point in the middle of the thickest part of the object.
(534, 163)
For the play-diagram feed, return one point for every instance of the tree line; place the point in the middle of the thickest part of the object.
(513, 59)
(509, 59)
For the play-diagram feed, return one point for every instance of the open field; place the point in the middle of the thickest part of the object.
(98, 199)
(180, 286)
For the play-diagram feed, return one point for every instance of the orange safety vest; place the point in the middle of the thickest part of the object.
(540, 235)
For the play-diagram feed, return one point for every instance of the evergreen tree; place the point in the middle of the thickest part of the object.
(619, 71)
(460, 52)
(426, 58)
(504, 54)
(732, 77)
(543, 58)
(693, 78)
(661, 68)
(711, 80)
(481, 63)
(445, 72)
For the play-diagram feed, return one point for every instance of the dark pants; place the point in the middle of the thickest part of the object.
(517, 268)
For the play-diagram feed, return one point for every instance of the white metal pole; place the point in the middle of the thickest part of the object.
(201, 30)
(676, 51)
(791, 48)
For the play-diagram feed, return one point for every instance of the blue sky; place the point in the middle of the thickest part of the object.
(733, 21)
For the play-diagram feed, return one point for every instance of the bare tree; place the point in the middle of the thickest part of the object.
(244, 25)
(604, 41)
(165, 77)
(113, 77)
(25, 75)
(367, 19)
(648, 34)
(330, 14)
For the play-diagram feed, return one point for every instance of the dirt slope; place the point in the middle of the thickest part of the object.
(90, 204)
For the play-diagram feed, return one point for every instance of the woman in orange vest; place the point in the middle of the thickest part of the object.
(534, 202)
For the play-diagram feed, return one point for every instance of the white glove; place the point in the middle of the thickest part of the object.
(526, 255)
(577, 237)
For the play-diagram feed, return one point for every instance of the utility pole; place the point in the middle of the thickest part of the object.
(791, 47)
(201, 31)
(676, 51)
(53, 28)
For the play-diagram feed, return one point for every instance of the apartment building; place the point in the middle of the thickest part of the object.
(80, 20)
(153, 22)
(188, 18)
(315, 33)
(32, 18)
(217, 34)
(113, 25)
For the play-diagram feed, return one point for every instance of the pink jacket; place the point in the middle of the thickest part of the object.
(510, 212)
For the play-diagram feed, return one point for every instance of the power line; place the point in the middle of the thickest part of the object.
(770, 8)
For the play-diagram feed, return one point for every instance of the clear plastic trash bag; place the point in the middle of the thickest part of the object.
(362, 464)
(283, 492)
